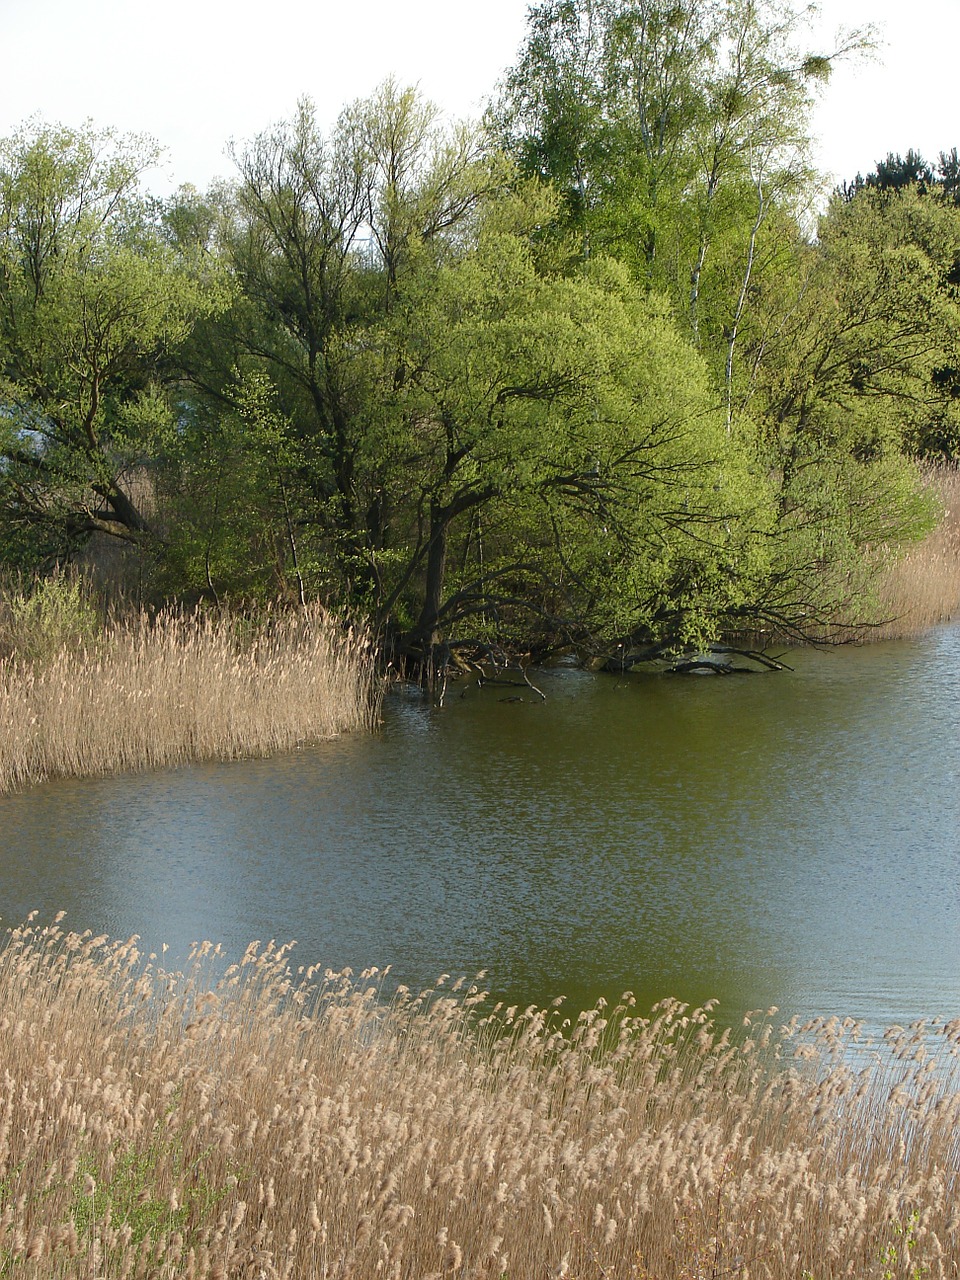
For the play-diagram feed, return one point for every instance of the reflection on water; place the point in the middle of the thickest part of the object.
(789, 839)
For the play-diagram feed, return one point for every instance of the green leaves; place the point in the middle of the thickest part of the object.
(572, 412)
(94, 302)
(396, 367)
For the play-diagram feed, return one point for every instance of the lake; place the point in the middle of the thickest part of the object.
(788, 838)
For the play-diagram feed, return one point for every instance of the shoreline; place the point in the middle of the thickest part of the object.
(162, 691)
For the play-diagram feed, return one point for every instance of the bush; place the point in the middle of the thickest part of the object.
(51, 614)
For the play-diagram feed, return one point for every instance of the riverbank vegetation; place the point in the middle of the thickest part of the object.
(157, 1125)
(592, 372)
(923, 587)
(82, 697)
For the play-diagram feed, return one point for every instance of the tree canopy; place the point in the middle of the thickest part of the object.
(586, 373)
(93, 302)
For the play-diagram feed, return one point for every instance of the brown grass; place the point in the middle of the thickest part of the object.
(152, 692)
(923, 589)
(160, 1126)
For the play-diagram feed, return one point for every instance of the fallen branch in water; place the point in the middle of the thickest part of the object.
(693, 665)
(773, 664)
(482, 681)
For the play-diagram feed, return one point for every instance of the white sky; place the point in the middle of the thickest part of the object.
(195, 73)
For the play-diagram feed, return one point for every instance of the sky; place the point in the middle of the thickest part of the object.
(195, 74)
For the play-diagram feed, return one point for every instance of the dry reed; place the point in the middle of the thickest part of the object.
(923, 589)
(258, 1126)
(152, 692)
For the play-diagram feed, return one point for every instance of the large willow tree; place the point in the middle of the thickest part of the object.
(468, 439)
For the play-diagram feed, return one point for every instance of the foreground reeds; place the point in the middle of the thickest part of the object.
(150, 691)
(159, 1126)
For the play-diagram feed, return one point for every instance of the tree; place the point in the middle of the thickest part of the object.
(92, 303)
(320, 233)
(867, 326)
(673, 128)
(948, 174)
(693, 156)
(910, 207)
(467, 436)
(566, 417)
(847, 352)
(602, 103)
(897, 173)
(227, 482)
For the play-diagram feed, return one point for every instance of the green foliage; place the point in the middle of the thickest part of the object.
(570, 412)
(896, 1255)
(678, 136)
(95, 300)
(124, 1192)
(580, 376)
(124, 1199)
(669, 128)
(51, 614)
(445, 425)
(856, 337)
(910, 172)
(227, 482)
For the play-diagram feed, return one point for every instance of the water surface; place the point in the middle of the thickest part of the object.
(787, 838)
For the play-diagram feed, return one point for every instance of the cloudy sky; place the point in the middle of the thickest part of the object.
(196, 73)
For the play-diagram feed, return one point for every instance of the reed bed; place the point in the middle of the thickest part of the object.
(923, 589)
(156, 691)
(261, 1125)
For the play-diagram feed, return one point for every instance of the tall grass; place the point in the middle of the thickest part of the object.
(923, 588)
(152, 691)
(162, 1126)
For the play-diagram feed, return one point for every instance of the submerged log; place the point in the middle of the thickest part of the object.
(715, 661)
(695, 666)
(755, 655)
(720, 665)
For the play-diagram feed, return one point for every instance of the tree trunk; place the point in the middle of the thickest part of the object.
(425, 634)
